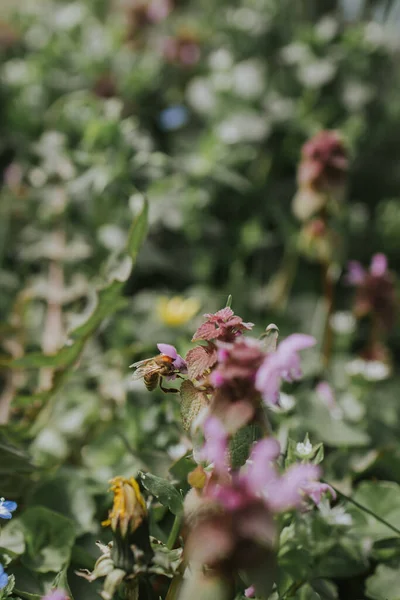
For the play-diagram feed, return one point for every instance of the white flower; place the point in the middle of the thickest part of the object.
(304, 449)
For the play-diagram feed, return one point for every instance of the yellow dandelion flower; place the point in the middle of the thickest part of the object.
(129, 507)
(177, 311)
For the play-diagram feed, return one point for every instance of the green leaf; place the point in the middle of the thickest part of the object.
(192, 403)
(61, 582)
(13, 459)
(7, 590)
(383, 499)
(12, 538)
(138, 230)
(241, 443)
(384, 584)
(49, 538)
(164, 491)
(68, 495)
(202, 587)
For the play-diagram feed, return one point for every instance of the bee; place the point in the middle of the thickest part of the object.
(152, 370)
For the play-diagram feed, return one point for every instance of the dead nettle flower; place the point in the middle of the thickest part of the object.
(232, 517)
(282, 364)
(224, 326)
(146, 12)
(321, 174)
(318, 241)
(375, 293)
(183, 49)
(235, 399)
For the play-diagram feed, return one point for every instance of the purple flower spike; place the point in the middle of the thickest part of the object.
(216, 444)
(379, 265)
(282, 364)
(356, 273)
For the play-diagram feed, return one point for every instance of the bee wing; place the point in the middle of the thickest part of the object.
(269, 338)
(139, 363)
(145, 369)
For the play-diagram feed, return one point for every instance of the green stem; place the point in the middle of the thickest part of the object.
(365, 509)
(292, 589)
(174, 532)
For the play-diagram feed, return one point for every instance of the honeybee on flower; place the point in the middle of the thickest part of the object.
(168, 364)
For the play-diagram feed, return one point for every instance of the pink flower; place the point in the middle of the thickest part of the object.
(223, 325)
(56, 595)
(326, 394)
(315, 490)
(282, 364)
(237, 361)
(285, 492)
(250, 592)
(216, 445)
(178, 361)
(375, 290)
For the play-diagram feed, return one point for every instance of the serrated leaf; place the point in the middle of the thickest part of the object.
(164, 491)
(241, 443)
(193, 401)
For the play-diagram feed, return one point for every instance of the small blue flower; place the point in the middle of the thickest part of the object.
(3, 577)
(6, 508)
(173, 117)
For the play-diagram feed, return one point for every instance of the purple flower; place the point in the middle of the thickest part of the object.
(250, 592)
(3, 577)
(282, 364)
(56, 595)
(315, 490)
(326, 394)
(260, 468)
(286, 492)
(6, 508)
(375, 290)
(356, 273)
(178, 362)
(216, 445)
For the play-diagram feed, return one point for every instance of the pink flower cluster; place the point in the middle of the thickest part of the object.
(259, 478)
(375, 290)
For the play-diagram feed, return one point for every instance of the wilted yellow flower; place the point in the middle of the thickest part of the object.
(177, 311)
(129, 508)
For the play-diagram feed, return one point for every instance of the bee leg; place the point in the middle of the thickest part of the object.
(168, 390)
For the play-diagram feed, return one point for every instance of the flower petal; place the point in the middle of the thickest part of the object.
(379, 265)
(168, 350)
(9, 505)
(355, 274)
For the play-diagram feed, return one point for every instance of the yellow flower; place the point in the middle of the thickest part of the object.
(129, 508)
(177, 311)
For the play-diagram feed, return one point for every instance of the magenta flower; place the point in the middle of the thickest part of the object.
(287, 491)
(178, 362)
(375, 290)
(250, 592)
(216, 445)
(237, 361)
(223, 325)
(282, 364)
(56, 595)
(315, 490)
